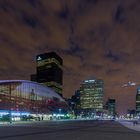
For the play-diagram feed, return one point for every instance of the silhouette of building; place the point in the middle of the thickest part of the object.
(49, 71)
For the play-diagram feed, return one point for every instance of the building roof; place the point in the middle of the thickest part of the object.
(42, 90)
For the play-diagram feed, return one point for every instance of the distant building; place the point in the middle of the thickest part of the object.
(74, 102)
(49, 71)
(76, 99)
(111, 107)
(91, 96)
(138, 101)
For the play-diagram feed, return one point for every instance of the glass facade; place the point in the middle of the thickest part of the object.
(27, 96)
(138, 101)
(91, 95)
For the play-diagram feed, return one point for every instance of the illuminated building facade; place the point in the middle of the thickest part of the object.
(29, 97)
(49, 71)
(138, 101)
(91, 95)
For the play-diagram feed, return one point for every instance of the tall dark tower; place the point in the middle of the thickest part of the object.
(49, 71)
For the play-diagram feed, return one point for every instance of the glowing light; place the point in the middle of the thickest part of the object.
(39, 58)
(89, 81)
(15, 114)
(129, 84)
(25, 113)
(4, 112)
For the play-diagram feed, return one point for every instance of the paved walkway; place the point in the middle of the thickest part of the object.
(69, 130)
(130, 125)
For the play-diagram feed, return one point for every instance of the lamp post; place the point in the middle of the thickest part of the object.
(60, 112)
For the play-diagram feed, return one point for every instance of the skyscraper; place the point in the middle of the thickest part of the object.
(49, 71)
(138, 101)
(91, 95)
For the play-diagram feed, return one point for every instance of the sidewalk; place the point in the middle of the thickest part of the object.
(130, 125)
(31, 122)
(14, 122)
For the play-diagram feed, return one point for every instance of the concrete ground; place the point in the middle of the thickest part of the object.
(130, 125)
(68, 130)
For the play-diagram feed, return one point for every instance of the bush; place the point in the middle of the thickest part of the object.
(5, 118)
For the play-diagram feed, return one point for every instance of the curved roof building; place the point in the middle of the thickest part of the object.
(27, 96)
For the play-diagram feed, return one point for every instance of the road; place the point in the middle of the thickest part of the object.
(68, 130)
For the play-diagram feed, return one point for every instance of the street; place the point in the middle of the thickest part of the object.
(68, 130)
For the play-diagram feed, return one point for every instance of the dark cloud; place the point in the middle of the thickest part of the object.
(112, 71)
(113, 56)
(34, 3)
(30, 21)
(119, 15)
(64, 13)
(83, 6)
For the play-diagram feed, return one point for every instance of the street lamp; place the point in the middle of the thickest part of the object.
(60, 112)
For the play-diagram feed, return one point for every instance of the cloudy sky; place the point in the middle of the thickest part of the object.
(95, 38)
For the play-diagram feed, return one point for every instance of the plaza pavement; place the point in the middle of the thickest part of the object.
(130, 124)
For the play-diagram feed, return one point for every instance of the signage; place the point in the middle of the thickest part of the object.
(39, 58)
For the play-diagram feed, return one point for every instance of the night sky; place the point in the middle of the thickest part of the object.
(95, 38)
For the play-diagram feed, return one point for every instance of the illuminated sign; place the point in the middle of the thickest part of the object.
(89, 81)
(47, 61)
(39, 58)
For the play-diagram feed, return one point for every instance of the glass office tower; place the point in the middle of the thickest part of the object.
(91, 96)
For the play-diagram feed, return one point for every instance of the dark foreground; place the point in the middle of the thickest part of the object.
(68, 130)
